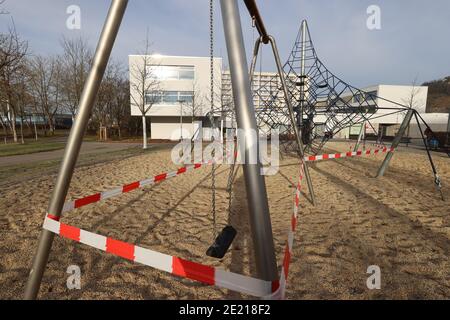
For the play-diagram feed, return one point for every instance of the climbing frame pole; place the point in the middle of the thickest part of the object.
(292, 117)
(91, 87)
(396, 142)
(362, 134)
(260, 222)
(297, 133)
(302, 75)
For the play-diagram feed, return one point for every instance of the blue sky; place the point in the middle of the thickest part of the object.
(412, 43)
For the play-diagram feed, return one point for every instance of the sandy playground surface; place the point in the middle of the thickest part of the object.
(397, 222)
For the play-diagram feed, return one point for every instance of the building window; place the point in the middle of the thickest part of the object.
(360, 97)
(171, 72)
(169, 97)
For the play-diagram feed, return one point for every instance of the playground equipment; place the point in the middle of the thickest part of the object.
(305, 93)
(256, 191)
(268, 284)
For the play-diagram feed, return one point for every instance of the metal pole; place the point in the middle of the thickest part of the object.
(361, 133)
(437, 179)
(181, 121)
(245, 113)
(254, 60)
(396, 142)
(303, 76)
(102, 54)
(292, 117)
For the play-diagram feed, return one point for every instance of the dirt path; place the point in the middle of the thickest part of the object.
(86, 148)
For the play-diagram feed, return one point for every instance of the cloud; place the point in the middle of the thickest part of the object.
(410, 44)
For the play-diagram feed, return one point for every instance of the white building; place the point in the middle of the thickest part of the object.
(180, 95)
(388, 98)
(182, 101)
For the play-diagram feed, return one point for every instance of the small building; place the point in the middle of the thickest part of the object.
(179, 99)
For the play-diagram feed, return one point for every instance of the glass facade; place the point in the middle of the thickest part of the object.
(169, 97)
(171, 72)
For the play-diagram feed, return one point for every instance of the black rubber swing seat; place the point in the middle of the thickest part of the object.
(223, 242)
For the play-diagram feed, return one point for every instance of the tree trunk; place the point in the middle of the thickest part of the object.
(5, 130)
(21, 130)
(35, 130)
(144, 132)
(51, 126)
(13, 126)
(221, 130)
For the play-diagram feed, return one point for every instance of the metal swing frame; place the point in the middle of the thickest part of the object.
(245, 115)
(260, 221)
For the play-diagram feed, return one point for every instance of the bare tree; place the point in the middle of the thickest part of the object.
(412, 103)
(45, 83)
(195, 107)
(198, 102)
(13, 51)
(106, 98)
(75, 61)
(144, 85)
(121, 103)
(220, 108)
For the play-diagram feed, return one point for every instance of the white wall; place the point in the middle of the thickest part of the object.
(402, 96)
(166, 128)
(201, 84)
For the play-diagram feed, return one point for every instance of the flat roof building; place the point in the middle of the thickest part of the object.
(177, 93)
(179, 102)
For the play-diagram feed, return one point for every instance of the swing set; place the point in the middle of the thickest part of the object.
(269, 283)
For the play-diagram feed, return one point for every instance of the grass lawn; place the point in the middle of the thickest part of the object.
(14, 149)
(17, 173)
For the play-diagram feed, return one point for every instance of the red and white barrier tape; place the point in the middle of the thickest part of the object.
(75, 204)
(280, 292)
(174, 265)
(183, 268)
(379, 146)
(71, 205)
(348, 154)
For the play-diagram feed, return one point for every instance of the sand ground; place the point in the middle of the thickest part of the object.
(397, 222)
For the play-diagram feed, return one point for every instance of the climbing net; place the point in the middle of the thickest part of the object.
(323, 103)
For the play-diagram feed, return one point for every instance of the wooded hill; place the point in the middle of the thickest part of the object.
(438, 95)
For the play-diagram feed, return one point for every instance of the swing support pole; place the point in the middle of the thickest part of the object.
(91, 87)
(245, 115)
(256, 16)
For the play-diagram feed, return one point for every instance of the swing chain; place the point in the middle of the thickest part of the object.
(211, 115)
